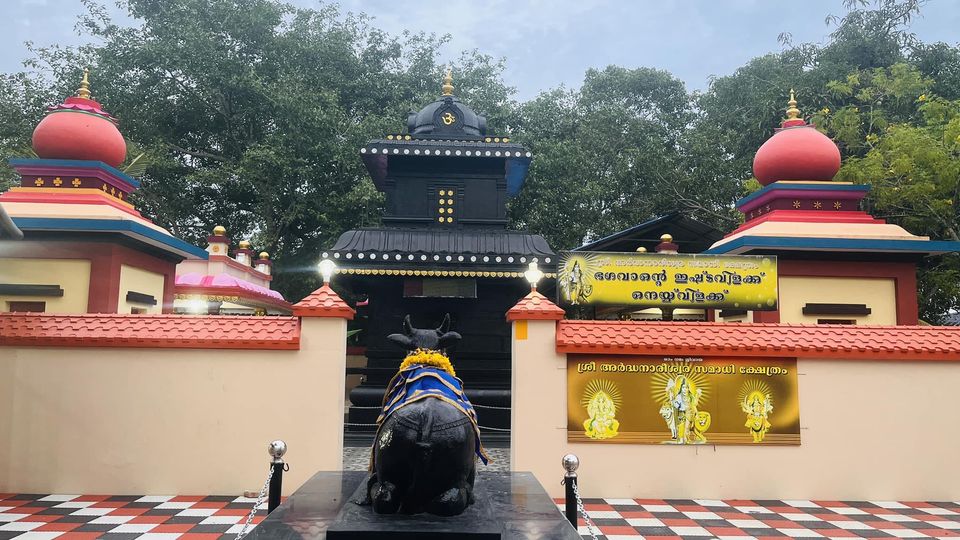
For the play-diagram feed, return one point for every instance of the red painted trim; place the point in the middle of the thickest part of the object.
(149, 331)
(356, 350)
(766, 316)
(807, 216)
(69, 198)
(904, 275)
(837, 342)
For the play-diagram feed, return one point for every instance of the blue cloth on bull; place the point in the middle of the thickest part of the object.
(421, 382)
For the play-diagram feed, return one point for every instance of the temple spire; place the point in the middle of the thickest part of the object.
(84, 90)
(793, 113)
(448, 83)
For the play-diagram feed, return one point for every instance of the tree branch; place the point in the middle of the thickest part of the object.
(197, 153)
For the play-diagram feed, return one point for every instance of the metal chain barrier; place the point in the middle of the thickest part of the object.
(583, 512)
(475, 405)
(256, 506)
(506, 430)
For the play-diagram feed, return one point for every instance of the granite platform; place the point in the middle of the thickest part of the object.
(510, 506)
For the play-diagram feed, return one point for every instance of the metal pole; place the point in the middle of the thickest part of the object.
(277, 449)
(570, 465)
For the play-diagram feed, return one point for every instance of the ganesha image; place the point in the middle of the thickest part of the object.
(601, 399)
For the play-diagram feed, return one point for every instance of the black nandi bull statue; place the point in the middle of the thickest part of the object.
(425, 452)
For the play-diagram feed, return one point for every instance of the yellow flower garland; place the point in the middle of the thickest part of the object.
(428, 357)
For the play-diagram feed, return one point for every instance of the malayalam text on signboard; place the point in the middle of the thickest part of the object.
(676, 280)
(657, 400)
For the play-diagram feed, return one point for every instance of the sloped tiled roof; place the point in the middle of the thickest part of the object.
(323, 302)
(175, 331)
(719, 339)
(535, 306)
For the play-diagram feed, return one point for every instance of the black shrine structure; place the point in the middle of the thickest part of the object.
(444, 247)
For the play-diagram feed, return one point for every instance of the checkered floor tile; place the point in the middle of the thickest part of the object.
(70, 517)
(76, 517)
(700, 519)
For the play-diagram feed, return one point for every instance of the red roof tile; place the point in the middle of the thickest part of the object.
(718, 339)
(535, 306)
(323, 302)
(177, 331)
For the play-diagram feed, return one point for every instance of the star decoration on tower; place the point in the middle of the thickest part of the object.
(76, 182)
(796, 204)
(837, 205)
(38, 182)
(57, 181)
(817, 204)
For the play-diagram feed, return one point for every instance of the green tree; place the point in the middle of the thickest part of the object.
(610, 155)
(914, 171)
(252, 113)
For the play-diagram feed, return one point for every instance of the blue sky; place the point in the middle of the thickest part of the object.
(552, 42)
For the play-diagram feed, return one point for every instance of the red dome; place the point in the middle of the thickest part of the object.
(797, 152)
(79, 129)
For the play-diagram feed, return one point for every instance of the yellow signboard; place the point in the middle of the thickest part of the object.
(675, 280)
(692, 400)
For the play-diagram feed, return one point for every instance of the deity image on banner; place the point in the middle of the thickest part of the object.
(601, 398)
(756, 400)
(680, 397)
(574, 279)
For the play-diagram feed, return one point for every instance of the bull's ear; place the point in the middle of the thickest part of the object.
(407, 326)
(401, 340)
(448, 339)
(445, 325)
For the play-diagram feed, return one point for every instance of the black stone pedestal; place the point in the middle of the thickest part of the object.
(510, 506)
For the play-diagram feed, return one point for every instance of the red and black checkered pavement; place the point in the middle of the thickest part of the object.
(76, 517)
(671, 519)
(70, 517)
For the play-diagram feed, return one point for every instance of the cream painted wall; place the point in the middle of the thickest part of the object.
(141, 281)
(73, 276)
(162, 421)
(880, 295)
(869, 431)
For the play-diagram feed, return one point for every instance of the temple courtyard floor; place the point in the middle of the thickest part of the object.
(75, 517)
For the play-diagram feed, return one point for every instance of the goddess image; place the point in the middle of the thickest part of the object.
(757, 403)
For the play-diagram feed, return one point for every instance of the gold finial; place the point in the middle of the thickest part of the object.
(219, 230)
(84, 90)
(793, 112)
(641, 249)
(264, 255)
(244, 244)
(448, 83)
(666, 238)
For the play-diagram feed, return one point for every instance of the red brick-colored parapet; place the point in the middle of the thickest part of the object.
(323, 302)
(934, 343)
(535, 306)
(149, 331)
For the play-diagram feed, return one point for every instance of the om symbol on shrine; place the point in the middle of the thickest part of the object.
(448, 118)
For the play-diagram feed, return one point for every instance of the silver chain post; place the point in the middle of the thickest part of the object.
(583, 512)
(256, 506)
